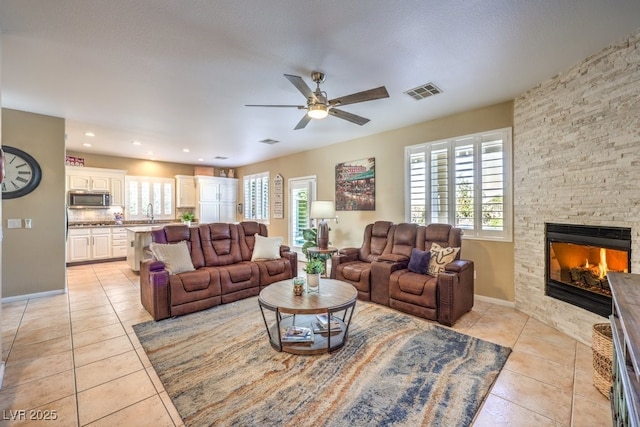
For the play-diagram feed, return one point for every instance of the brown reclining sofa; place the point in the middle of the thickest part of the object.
(379, 270)
(223, 270)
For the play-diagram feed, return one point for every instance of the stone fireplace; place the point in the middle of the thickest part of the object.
(578, 258)
(576, 160)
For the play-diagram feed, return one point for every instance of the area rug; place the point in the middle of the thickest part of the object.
(219, 369)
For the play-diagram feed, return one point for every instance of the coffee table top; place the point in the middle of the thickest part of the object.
(334, 295)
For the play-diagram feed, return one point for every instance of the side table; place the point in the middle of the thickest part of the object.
(322, 254)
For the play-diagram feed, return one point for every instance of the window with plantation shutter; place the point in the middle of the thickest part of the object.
(463, 181)
(256, 197)
(145, 196)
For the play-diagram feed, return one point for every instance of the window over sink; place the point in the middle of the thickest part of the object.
(148, 198)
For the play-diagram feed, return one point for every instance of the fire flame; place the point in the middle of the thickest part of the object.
(602, 266)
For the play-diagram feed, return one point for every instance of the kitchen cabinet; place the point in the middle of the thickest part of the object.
(118, 242)
(217, 198)
(185, 191)
(97, 179)
(87, 244)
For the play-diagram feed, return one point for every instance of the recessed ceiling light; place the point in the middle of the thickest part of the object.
(185, 150)
(201, 160)
(89, 134)
(136, 142)
(86, 144)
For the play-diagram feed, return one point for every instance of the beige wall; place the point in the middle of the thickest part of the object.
(33, 259)
(494, 261)
(135, 166)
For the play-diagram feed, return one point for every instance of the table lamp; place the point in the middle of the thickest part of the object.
(322, 210)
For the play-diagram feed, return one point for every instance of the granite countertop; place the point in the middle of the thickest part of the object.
(127, 224)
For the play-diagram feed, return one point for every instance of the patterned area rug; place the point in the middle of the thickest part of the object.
(219, 369)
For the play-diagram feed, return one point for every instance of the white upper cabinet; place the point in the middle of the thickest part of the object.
(185, 191)
(97, 179)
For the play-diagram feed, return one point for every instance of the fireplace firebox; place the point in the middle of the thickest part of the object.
(578, 258)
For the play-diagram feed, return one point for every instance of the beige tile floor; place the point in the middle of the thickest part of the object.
(77, 355)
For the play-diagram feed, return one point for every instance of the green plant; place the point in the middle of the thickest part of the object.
(310, 236)
(314, 266)
(187, 217)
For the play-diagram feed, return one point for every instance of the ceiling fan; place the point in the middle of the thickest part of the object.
(318, 106)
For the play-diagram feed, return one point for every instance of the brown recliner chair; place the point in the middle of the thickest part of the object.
(353, 265)
(444, 298)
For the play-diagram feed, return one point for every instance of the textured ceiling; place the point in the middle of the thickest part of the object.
(177, 74)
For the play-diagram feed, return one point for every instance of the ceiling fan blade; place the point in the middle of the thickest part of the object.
(301, 86)
(359, 120)
(279, 106)
(303, 122)
(367, 95)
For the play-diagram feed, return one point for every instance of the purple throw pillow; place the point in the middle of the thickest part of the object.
(419, 261)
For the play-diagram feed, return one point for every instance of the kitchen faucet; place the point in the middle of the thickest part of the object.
(150, 211)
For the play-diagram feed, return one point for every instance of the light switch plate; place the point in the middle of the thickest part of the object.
(14, 223)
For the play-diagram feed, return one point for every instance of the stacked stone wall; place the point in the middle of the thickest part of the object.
(576, 161)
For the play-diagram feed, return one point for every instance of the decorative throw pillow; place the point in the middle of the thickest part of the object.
(266, 248)
(419, 261)
(175, 256)
(440, 257)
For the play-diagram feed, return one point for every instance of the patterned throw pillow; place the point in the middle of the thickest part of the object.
(419, 261)
(440, 257)
(175, 256)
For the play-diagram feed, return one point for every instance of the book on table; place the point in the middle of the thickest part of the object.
(297, 334)
(323, 323)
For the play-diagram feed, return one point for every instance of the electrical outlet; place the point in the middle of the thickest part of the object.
(474, 274)
(27, 223)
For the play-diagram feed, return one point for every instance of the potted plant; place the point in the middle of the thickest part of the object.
(314, 268)
(187, 217)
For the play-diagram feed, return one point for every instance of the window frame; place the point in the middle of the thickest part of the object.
(477, 141)
(250, 209)
(153, 198)
(311, 183)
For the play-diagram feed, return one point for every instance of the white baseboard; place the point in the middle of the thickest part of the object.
(35, 295)
(496, 301)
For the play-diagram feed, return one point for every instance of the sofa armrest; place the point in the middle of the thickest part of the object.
(344, 255)
(458, 266)
(455, 291)
(293, 259)
(394, 258)
(380, 274)
(154, 289)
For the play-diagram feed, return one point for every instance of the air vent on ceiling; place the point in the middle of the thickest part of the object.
(421, 92)
(220, 158)
(269, 141)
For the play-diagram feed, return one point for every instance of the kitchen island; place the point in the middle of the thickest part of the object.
(139, 238)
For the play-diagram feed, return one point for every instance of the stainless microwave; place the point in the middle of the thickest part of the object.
(89, 199)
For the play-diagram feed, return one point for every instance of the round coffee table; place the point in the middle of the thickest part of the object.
(336, 300)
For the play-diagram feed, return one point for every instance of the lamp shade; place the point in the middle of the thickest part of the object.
(322, 209)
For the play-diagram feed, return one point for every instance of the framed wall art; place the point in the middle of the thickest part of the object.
(356, 185)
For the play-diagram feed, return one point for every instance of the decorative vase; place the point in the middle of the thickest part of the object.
(313, 282)
(298, 286)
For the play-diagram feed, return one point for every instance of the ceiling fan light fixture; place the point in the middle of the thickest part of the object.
(318, 111)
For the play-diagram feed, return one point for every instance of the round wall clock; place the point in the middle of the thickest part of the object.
(22, 173)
